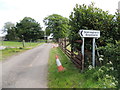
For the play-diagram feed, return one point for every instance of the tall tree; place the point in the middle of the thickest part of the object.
(58, 25)
(9, 28)
(28, 29)
(11, 34)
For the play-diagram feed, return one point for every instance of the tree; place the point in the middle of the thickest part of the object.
(8, 26)
(117, 26)
(11, 34)
(58, 25)
(28, 29)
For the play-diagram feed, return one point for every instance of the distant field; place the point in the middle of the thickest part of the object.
(15, 47)
(17, 44)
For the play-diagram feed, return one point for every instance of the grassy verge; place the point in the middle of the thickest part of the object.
(72, 78)
(14, 48)
(10, 51)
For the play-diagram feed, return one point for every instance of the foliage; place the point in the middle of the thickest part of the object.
(102, 75)
(27, 29)
(58, 25)
(12, 34)
(30, 29)
(7, 26)
(92, 18)
(111, 54)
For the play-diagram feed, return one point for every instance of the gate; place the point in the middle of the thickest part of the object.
(75, 55)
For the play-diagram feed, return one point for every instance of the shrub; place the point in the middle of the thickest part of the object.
(111, 57)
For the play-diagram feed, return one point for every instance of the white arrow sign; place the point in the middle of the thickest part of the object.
(90, 33)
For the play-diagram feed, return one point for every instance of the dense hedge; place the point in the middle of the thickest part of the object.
(92, 18)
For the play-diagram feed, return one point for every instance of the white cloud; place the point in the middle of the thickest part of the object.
(15, 10)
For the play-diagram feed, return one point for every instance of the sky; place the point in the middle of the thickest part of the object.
(15, 10)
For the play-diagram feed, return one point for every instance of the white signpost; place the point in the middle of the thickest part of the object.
(89, 34)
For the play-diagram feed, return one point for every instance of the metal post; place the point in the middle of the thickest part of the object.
(93, 53)
(83, 40)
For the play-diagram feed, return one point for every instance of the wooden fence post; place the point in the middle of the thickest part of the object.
(62, 44)
(72, 49)
(59, 42)
(65, 46)
(23, 43)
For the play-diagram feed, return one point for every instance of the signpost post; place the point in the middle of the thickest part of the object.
(93, 53)
(89, 34)
(83, 39)
(82, 49)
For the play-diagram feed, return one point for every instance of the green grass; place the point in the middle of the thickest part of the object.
(17, 44)
(60, 79)
(9, 52)
(72, 77)
(15, 47)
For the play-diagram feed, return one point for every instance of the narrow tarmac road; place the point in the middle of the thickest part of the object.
(27, 70)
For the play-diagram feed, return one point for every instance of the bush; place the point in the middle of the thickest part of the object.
(101, 76)
(92, 18)
(111, 57)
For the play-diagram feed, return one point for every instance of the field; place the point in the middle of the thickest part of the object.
(15, 47)
(72, 77)
(17, 44)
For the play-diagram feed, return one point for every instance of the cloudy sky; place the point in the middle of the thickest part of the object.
(15, 10)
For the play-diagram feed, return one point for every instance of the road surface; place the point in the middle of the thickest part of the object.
(28, 69)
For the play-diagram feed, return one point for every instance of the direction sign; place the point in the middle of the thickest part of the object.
(90, 33)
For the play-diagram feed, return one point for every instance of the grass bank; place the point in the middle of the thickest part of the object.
(73, 78)
(14, 48)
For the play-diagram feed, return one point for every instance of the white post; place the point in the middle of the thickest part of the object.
(83, 39)
(82, 49)
(93, 53)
